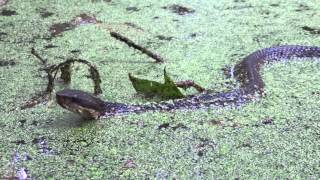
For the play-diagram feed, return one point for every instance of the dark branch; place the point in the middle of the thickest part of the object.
(130, 43)
(33, 52)
(189, 83)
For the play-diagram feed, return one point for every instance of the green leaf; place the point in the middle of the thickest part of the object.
(149, 88)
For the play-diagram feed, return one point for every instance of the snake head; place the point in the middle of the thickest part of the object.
(83, 103)
(89, 106)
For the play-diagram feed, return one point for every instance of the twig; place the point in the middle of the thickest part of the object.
(33, 52)
(92, 69)
(130, 43)
(65, 68)
(189, 83)
(39, 97)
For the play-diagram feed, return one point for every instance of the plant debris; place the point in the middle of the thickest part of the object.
(33, 52)
(44, 13)
(204, 146)
(166, 38)
(190, 83)
(2, 34)
(311, 30)
(7, 63)
(267, 121)
(35, 100)
(130, 24)
(130, 43)
(302, 7)
(59, 28)
(65, 69)
(82, 19)
(178, 9)
(132, 9)
(49, 46)
(167, 125)
(6, 12)
(166, 90)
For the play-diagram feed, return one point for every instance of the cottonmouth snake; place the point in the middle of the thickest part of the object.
(246, 72)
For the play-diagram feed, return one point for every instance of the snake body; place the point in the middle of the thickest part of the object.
(246, 72)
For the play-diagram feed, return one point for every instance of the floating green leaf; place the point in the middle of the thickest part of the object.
(168, 90)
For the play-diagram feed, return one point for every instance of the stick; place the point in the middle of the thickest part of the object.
(33, 52)
(130, 43)
(189, 83)
(95, 76)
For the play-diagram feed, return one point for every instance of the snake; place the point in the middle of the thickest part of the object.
(246, 72)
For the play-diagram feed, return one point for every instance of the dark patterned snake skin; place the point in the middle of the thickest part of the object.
(246, 72)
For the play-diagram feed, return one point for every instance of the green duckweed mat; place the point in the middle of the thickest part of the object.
(277, 136)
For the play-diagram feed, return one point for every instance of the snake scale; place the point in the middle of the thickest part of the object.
(246, 72)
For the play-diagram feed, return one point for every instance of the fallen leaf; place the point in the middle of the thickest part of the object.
(166, 90)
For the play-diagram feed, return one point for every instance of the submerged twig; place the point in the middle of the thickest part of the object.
(66, 73)
(42, 96)
(130, 43)
(35, 100)
(65, 68)
(33, 52)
